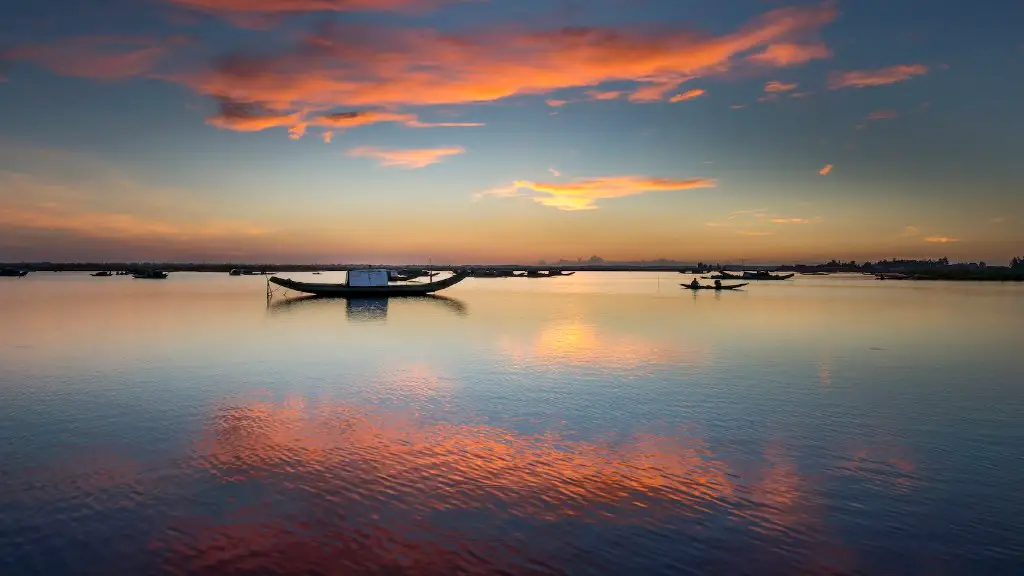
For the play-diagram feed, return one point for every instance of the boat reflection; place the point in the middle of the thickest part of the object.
(365, 309)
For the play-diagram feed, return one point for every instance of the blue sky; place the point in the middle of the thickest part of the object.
(162, 130)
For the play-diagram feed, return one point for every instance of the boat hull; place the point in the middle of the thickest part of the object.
(716, 288)
(345, 291)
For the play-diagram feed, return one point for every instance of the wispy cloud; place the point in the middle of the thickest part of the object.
(583, 193)
(99, 57)
(688, 95)
(555, 103)
(604, 94)
(881, 77)
(941, 239)
(328, 136)
(824, 171)
(554, 172)
(773, 86)
(406, 158)
(882, 115)
(754, 233)
(738, 106)
(787, 54)
(998, 220)
(910, 231)
(794, 220)
(654, 92)
(755, 212)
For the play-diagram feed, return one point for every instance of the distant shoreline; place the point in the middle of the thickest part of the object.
(953, 272)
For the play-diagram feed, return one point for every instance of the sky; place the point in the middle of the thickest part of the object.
(474, 131)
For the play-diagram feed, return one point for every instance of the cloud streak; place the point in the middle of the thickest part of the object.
(583, 193)
(788, 54)
(406, 158)
(941, 239)
(241, 11)
(688, 95)
(775, 87)
(881, 77)
(104, 58)
(824, 171)
(882, 115)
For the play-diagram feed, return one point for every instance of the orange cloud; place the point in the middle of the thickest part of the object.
(582, 193)
(910, 231)
(653, 92)
(882, 115)
(941, 239)
(340, 66)
(824, 171)
(881, 77)
(98, 57)
(785, 54)
(688, 95)
(791, 221)
(772, 87)
(753, 233)
(556, 103)
(604, 95)
(412, 158)
(328, 136)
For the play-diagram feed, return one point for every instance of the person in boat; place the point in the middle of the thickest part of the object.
(718, 284)
(694, 284)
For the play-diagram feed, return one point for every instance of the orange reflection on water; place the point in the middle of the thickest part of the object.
(438, 466)
(582, 344)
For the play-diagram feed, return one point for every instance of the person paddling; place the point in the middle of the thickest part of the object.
(694, 284)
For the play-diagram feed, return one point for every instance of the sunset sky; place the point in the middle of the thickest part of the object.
(501, 131)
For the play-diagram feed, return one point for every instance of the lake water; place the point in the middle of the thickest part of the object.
(604, 423)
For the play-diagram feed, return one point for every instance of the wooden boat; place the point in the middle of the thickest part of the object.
(815, 273)
(723, 287)
(102, 273)
(150, 275)
(386, 290)
(750, 276)
(13, 272)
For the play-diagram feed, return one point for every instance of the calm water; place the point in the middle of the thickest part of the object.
(595, 424)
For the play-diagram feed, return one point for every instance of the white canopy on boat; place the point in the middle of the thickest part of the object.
(367, 277)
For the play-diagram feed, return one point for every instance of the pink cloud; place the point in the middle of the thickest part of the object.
(99, 57)
(941, 239)
(787, 54)
(604, 95)
(824, 171)
(881, 77)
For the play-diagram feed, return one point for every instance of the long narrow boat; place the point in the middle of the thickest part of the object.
(749, 276)
(347, 291)
(150, 275)
(14, 272)
(730, 287)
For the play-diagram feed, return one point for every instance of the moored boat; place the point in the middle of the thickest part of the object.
(150, 275)
(722, 287)
(368, 283)
(102, 273)
(13, 272)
